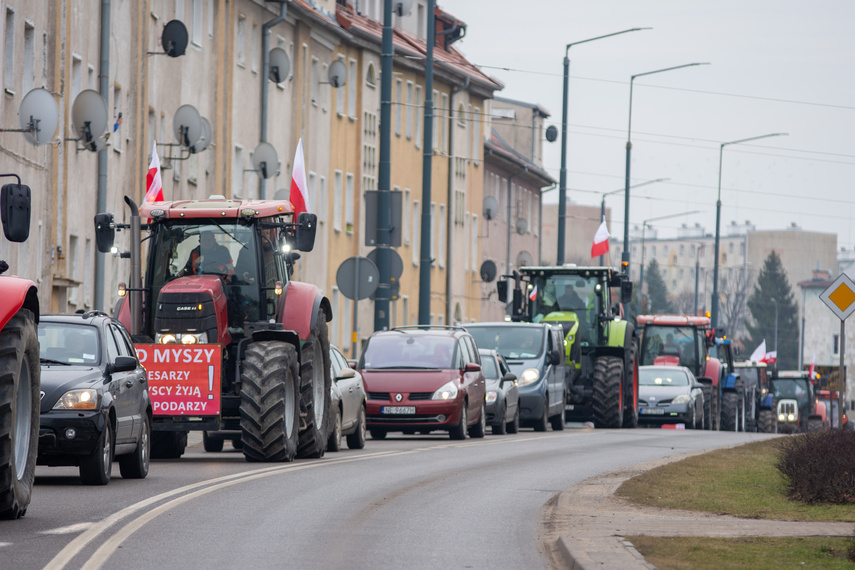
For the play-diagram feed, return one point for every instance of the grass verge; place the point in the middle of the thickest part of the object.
(740, 481)
(693, 553)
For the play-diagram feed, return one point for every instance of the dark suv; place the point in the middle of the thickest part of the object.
(95, 403)
(422, 379)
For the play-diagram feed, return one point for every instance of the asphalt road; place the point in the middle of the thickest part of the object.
(404, 502)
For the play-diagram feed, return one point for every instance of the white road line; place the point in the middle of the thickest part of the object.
(70, 529)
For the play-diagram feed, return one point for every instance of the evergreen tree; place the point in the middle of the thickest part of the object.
(658, 301)
(772, 286)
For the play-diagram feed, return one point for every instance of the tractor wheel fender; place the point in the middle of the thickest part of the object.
(300, 307)
(768, 401)
(712, 370)
(731, 383)
(18, 294)
(618, 332)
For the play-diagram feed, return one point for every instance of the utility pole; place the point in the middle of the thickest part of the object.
(427, 161)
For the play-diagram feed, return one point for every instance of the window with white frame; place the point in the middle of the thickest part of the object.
(443, 123)
(315, 81)
(409, 110)
(255, 48)
(351, 90)
(237, 171)
(29, 76)
(116, 138)
(76, 76)
(196, 24)
(405, 216)
(340, 95)
(312, 184)
(420, 115)
(441, 222)
(348, 208)
(435, 121)
(466, 217)
(322, 199)
(74, 263)
(416, 232)
(240, 42)
(9, 52)
(476, 135)
(433, 233)
(474, 243)
(337, 200)
(399, 105)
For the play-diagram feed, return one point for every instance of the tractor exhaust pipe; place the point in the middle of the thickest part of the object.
(135, 293)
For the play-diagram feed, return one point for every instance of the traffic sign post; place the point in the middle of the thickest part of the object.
(840, 298)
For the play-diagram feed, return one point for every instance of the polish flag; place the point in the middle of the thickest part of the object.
(760, 353)
(299, 189)
(601, 240)
(153, 183)
(533, 294)
(770, 357)
(812, 366)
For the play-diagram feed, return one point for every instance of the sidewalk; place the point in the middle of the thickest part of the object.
(585, 527)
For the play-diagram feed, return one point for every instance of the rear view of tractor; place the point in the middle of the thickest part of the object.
(232, 346)
(19, 365)
(600, 346)
(760, 405)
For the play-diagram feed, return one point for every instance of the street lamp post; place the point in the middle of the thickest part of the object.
(562, 184)
(644, 225)
(603, 203)
(625, 255)
(715, 299)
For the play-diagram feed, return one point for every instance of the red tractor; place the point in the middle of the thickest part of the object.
(232, 346)
(689, 341)
(19, 365)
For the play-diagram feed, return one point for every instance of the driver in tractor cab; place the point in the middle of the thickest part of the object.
(209, 257)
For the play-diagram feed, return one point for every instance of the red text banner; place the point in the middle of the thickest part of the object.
(182, 380)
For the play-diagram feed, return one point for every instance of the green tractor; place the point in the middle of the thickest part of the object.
(600, 345)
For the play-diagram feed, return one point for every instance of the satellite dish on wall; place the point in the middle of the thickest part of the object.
(89, 119)
(187, 125)
(338, 74)
(551, 133)
(524, 259)
(522, 226)
(204, 140)
(38, 116)
(402, 7)
(265, 161)
(280, 65)
(174, 38)
(488, 271)
(491, 208)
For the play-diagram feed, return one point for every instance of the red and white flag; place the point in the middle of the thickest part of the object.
(153, 183)
(601, 240)
(812, 366)
(299, 189)
(770, 357)
(533, 294)
(759, 353)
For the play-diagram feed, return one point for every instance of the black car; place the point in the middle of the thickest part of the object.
(95, 404)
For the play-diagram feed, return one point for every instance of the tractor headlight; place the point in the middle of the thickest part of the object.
(529, 376)
(781, 417)
(181, 338)
(85, 399)
(791, 418)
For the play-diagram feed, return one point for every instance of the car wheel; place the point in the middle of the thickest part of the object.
(514, 425)
(693, 424)
(542, 422)
(135, 465)
(479, 429)
(356, 440)
(557, 420)
(459, 431)
(334, 441)
(500, 427)
(95, 469)
(377, 433)
(212, 444)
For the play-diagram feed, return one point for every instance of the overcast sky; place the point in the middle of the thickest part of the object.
(776, 66)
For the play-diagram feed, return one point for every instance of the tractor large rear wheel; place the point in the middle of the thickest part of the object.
(269, 402)
(315, 390)
(608, 373)
(630, 381)
(729, 411)
(19, 413)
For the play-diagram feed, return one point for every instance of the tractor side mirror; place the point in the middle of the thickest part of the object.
(625, 291)
(502, 290)
(15, 211)
(306, 227)
(105, 232)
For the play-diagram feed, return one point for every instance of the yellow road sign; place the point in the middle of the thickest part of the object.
(840, 296)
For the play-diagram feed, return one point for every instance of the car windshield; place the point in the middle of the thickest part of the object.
(68, 344)
(488, 367)
(514, 342)
(791, 388)
(660, 377)
(406, 350)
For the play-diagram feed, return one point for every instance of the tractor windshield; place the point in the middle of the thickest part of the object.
(663, 340)
(243, 256)
(568, 293)
(792, 388)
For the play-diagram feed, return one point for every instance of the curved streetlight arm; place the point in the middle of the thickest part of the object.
(567, 49)
(632, 79)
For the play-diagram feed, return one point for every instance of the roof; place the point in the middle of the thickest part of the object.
(409, 46)
(215, 207)
(537, 108)
(673, 320)
(499, 147)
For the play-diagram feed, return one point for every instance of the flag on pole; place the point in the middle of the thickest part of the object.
(299, 189)
(533, 294)
(770, 357)
(601, 240)
(760, 353)
(153, 183)
(812, 366)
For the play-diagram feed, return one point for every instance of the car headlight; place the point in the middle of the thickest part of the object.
(681, 399)
(491, 397)
(83, 399)
(448, 391)
(528, 376)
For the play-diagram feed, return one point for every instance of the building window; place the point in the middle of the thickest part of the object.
(435, 121)
(409, 110)
(351, 91)
(370, 80)
(835, 344)
(339, 96)
(337, 200)
(196, 24)
(240, 43)
(473, 242)
(311, 181)
(476, 135)
(399, 105)
(433, 233)
(29, 77)
(416, 232)
(444, 123)
(405, 215)
(441, 222)
(315, 82)
(237, 171)
(9, 51)
(420, 114)
(348, 207)
(116, 125)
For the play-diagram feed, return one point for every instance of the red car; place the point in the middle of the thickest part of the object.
(422, 379)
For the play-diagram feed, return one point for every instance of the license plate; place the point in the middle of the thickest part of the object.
(394, 410)
(652, 411)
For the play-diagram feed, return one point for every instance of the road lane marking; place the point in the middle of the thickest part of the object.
(70, 529)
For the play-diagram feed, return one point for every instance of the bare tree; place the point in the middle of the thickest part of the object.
(684, 302)
(735, 289)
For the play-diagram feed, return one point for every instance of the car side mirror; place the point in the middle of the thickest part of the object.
(472, 367)
(553, 357)
(306, 227)
(15, 211)
(123, 364)
(509, 377)
(345, 373)
(105, 232)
